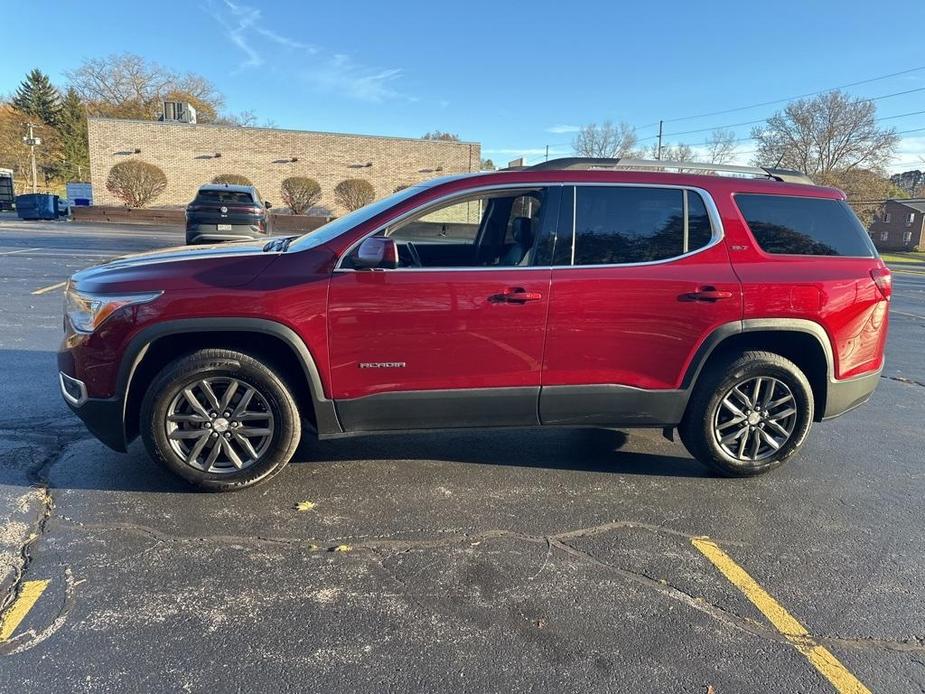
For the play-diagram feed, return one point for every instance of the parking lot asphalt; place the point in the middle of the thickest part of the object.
(552, 560)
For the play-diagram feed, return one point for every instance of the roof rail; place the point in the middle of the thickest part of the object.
(591, 163)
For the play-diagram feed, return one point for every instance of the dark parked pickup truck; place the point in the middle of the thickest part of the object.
(224, 212)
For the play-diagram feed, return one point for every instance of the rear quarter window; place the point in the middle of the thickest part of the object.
(785, 225)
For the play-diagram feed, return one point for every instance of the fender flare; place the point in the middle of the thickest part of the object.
(727, 330)
(140, 343)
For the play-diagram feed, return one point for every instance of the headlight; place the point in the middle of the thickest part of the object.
(86, 311)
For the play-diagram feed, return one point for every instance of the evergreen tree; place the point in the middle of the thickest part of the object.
(37, 97)
(72, 125)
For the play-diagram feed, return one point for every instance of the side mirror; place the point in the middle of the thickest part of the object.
(377, 252)
(267, 204)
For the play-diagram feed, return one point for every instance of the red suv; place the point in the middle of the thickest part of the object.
(736, 304)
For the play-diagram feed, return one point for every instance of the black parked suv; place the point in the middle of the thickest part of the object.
(225, 212)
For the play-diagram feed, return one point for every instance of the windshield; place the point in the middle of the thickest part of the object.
(338, 226)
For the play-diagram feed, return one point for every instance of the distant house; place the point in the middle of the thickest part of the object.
(900, 225)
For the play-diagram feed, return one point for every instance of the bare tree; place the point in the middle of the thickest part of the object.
(676, 153)
(721, 146)
(136, 183)
(300, 193)
(128, 86)
(440, 135)
(607, 140)
(354, 193)
(15, 154)
(828, 133)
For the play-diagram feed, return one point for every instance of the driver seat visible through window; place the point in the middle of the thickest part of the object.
(522, 232)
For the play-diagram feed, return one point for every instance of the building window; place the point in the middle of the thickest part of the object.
(884, 236)
(887, 217)
(907, 236)
(910, 218)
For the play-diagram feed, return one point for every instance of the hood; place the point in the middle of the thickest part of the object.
(183, 267)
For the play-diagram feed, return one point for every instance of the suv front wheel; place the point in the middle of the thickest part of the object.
(220, 419)
(748, 414)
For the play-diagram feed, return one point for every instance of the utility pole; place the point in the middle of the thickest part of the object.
(547, 152)
(659, 153)
(32, 141)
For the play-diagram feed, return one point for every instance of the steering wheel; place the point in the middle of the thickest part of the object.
(413, 252)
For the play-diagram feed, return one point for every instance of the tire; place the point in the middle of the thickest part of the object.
(260, 436)
(712, 429)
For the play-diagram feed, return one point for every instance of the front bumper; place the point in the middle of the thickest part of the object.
(102, 416)
(844, 396)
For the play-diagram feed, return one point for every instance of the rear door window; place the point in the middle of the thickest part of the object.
(804, 226)
(617, 225)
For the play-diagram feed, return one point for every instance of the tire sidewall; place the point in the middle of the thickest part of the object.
(802, 395)
(191, 370)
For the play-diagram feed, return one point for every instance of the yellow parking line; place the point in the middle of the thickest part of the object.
(50, 288)
(30, 593)
(820, 657)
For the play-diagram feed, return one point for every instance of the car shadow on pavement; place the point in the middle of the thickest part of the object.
(87, 464)
(580, 450)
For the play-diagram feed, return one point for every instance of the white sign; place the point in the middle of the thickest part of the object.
(79, 191)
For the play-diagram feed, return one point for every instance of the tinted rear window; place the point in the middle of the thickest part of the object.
(224, 196)
(624, 224)
(804, 226)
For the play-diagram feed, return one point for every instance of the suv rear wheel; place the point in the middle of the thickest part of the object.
(220, 419)
(748, 414)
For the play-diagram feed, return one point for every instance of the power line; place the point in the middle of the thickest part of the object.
(791, 98)
(762, 120)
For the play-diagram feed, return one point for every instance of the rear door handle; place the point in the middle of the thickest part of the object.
(710, 294)
(515, 295)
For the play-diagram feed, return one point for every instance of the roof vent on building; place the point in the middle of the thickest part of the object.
(178, 112)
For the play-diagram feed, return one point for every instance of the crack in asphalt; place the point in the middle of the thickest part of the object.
(903, 379)
(52, 446)
(384, 547)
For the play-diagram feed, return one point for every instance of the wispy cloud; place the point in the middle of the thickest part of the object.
(336, 73)
(560, 129)
(910, 154)
(339, 73)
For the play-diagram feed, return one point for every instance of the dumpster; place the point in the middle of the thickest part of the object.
(37, 206)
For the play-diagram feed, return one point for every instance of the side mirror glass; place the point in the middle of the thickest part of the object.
(377, 252)
(266, 203)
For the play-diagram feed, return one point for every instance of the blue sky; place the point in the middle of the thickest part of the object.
(514, 76)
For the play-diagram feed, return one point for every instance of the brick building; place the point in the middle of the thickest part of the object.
(900, 225)
(191, 155)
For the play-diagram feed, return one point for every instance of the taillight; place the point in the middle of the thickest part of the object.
(883, 278)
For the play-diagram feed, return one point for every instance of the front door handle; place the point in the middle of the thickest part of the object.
(515, 295)
(710, 294)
